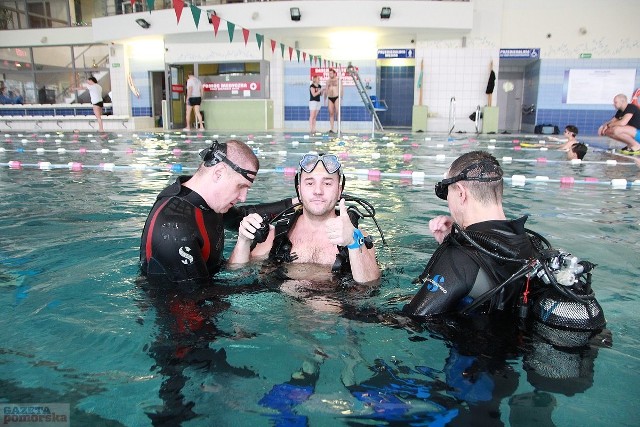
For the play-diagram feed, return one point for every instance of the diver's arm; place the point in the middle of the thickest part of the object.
(364, 267)
(235, 215)
(242, 252)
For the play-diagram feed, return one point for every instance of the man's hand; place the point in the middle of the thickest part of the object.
(440, 227)
(340, 229)
(248, 227)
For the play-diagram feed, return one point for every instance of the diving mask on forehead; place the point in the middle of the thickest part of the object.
(217, 153)
(484, 171)
(330, 162)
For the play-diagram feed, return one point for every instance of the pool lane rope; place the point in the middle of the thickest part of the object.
(406, 157)
(416, 177)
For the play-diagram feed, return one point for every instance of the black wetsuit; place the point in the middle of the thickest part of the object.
(458, 273)
(183, 238)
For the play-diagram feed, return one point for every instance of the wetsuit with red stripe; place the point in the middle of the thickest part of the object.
(183, 238)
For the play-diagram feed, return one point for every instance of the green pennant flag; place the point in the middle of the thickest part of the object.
(298, 54)
(151, 4)
(231, 27)
(259, 39)
(282, 49)
(195, 11)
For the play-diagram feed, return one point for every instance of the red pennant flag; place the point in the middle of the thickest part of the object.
(245, 34)
(273, 46)
(304, 57)
(290, 53)
(177, 6)
(215, 21)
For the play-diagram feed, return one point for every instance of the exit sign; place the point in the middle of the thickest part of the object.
(585, 55)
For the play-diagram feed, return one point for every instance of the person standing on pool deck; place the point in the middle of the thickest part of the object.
(315, 90)
(194, 99)
(624, 125)
(457, 273)
(183, 237)
(95, 92)
(333, 92)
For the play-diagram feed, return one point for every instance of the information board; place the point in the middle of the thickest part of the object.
(597, 86)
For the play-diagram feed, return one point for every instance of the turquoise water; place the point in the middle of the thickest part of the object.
(81, 328)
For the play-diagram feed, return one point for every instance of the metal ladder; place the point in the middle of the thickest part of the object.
(351, 70)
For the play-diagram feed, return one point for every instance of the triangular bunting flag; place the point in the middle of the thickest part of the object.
(245, 34)
(304, 57)
(215, 21)
(273, 46)
(290, 52)
(259, 39)
(177, 6)
(298, 54)
(231, 27)
(151, 5)
(195, 11)
(282, 49)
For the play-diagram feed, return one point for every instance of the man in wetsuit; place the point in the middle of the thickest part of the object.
(317, 235)
(458, 273)
(183, 237)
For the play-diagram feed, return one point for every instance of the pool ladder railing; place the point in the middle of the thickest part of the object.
(452, 114)
(477, 120)
(366, 99)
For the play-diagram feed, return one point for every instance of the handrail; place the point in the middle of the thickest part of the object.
(452, 114)
(477, 119)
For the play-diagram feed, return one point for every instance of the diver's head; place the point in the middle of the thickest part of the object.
(225, 175)
(479, 172)
(319, 182)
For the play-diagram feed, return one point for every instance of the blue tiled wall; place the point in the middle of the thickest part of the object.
(396, 89)
(349, 114)
(551, 109)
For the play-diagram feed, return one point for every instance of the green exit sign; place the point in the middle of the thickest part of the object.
(585, 55)
(115, 65)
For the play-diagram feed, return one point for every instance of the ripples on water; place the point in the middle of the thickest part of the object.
(81, 329)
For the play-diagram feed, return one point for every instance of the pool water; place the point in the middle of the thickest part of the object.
(80, 327)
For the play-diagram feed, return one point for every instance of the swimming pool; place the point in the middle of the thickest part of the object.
(81, 328)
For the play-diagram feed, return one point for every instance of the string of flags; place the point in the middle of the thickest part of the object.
(196, 12)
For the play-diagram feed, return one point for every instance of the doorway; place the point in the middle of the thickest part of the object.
(158, 94)
(396, 86)
(176, 78)
(510, 87)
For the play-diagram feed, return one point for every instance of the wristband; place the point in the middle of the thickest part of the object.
(358, 239)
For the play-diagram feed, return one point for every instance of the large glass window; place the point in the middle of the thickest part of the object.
(51, 75)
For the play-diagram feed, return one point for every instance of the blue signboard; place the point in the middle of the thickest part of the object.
(396, 53)
(533, 53)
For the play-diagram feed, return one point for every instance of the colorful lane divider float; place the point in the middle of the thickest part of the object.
(417, 177)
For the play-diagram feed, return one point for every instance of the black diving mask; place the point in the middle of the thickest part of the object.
(217, 153)
(488, 171)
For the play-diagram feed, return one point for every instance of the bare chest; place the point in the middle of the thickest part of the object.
(312, 247)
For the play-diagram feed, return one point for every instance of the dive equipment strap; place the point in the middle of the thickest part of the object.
(358, 239)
